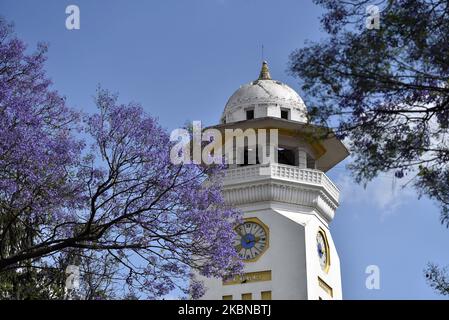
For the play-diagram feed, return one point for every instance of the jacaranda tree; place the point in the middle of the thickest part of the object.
(380, 79)
(98, 192)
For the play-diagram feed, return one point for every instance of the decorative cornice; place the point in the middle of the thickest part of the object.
(282, 183)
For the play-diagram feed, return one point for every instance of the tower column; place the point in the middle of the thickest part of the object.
(284, 239)
(302, 158)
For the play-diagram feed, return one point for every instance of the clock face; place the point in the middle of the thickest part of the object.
(251, 240)
(322, 248)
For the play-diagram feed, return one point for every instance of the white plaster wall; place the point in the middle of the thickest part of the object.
(264, 110)
(333, 276)
(284, 257)
(291, 256)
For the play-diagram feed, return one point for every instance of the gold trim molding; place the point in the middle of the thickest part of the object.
(248, 277)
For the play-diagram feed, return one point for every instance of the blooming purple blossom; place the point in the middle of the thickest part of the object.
(119, 194)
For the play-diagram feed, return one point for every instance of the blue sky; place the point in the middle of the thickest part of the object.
(183, 59)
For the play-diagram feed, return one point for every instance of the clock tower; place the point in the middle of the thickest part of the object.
(287, 204)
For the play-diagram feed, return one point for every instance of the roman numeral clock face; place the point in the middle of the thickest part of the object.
(252, 239)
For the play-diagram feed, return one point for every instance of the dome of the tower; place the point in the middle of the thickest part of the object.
(264, 97)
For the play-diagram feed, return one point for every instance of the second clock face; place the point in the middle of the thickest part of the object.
(251, 240)
(322, 248)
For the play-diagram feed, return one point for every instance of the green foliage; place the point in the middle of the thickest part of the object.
(384, 90)
(31, 284)
(438, 278)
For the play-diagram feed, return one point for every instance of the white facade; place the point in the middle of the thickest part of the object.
(267, 98)
(293, 202)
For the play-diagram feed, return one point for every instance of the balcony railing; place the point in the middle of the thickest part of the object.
(281, 172)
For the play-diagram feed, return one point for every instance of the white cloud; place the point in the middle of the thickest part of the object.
(384, 193)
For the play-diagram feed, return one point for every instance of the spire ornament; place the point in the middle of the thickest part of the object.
(264, 72)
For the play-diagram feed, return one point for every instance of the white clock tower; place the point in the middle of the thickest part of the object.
(288, 205)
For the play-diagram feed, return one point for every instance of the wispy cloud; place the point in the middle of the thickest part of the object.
(384, 193)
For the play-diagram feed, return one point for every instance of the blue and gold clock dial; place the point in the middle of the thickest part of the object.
(322, 250)
(251, 240)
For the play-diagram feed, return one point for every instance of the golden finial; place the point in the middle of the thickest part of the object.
(264, 72)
